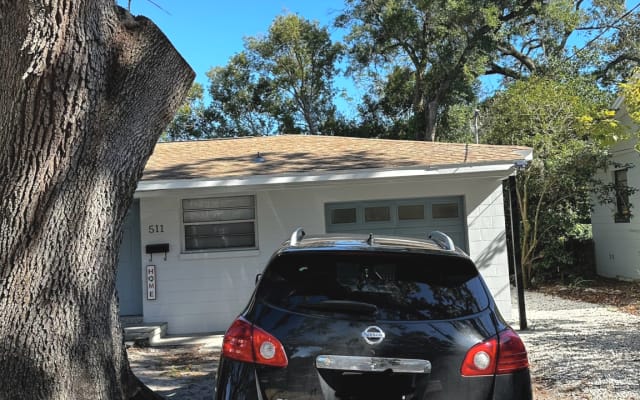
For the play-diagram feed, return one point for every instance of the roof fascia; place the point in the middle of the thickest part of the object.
(503, 169)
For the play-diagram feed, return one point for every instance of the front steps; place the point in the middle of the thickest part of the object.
(140, 334)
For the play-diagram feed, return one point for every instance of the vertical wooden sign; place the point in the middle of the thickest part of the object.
(151, 282)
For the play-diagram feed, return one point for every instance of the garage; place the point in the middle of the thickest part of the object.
(222, 211)
(403, 217)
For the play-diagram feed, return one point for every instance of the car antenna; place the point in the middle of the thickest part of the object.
(370, 239)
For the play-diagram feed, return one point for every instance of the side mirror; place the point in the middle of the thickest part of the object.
(258, 277)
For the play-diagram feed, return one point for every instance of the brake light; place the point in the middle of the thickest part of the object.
(512, 354)
(499, 355)
(245, 342)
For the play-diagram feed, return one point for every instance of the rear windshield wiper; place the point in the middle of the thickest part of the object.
(347, 306)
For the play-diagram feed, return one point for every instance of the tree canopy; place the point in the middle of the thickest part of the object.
(421, 64)
(567, 123)
(421, 55)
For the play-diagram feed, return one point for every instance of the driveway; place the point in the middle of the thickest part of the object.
(580, 350)
(577, 350)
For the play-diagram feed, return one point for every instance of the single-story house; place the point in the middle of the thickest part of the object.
(616, 226)
(208, 215)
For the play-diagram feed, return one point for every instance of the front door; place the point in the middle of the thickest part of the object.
(129, 276)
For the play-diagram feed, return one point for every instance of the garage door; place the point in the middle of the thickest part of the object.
(404, 217)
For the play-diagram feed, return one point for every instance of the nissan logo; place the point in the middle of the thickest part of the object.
(373, 335)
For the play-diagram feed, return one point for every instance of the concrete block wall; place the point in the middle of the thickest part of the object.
(204, 292)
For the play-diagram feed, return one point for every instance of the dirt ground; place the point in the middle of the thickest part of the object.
(625, 296)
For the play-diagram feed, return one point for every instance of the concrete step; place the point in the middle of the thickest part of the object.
(208, 340)
(144, 334)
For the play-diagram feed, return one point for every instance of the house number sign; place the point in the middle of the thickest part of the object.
(151, 282)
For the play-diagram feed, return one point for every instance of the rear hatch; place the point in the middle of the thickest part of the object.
(372, 325)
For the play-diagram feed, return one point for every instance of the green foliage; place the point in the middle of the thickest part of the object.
(631, 93)
(419, 62)
(555, 189)
(538, 38)
(191, 120)
(422, 56)
(457, 123)
(298, 60)
(243, 103)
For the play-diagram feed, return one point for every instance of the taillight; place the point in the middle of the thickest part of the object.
(503, 354)
(237, 341)
(512, 355)
(245, 342)
(481, 359)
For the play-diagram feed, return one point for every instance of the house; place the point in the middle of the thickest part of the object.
(616, 226)
(209, 214)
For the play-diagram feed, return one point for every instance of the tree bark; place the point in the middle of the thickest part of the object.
(86, 90)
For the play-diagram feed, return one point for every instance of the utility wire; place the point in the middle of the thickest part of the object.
(168, 13)
(152, 2)
(599, 35)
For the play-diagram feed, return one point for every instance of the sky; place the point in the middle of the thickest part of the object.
(209, 32)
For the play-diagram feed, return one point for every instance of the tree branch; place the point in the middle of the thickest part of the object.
(500, 70)
(517, 13)
(509, 50)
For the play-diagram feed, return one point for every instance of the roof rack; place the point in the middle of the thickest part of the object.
(443, 240)
(296, 237)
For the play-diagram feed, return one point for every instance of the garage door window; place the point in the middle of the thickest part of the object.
(377, 214)
(219, 223)
(411, 212)
(414, 217)
(343, 216)
(445, 210)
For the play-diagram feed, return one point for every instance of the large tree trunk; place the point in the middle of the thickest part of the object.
(85, 91)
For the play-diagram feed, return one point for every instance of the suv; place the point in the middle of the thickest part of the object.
(364, 317)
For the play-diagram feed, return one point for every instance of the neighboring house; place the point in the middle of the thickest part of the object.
(223, 206)
(616, 226)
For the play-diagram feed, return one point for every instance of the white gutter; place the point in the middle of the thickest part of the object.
(261, 180)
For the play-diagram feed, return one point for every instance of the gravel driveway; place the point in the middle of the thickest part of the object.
(580, 350)
(577, 351)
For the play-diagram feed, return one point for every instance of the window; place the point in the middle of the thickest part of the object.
(343, 216)
(410, 212)
(377, 214)
(444, 210)
(623, 211)
(399, 287)
(219, 223)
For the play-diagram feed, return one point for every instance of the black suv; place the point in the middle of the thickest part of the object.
(371, 317)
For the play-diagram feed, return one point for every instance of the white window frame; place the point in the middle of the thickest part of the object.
(212, 222)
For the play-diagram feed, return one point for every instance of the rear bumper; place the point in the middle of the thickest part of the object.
(238, 381)
(515, 386)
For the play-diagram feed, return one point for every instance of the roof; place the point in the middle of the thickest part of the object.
(304, 154)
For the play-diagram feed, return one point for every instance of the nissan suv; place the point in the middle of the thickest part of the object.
(371, 317)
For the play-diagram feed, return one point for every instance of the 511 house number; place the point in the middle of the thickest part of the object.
(156, 228)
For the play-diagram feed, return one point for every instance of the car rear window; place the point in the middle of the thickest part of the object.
(387, 286)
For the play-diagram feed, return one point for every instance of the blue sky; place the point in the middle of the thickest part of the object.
(208, 32)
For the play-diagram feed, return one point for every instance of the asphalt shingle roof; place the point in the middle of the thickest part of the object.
(299, 154)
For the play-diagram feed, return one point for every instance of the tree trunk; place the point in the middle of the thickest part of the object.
(86, 90)
(431, 119)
